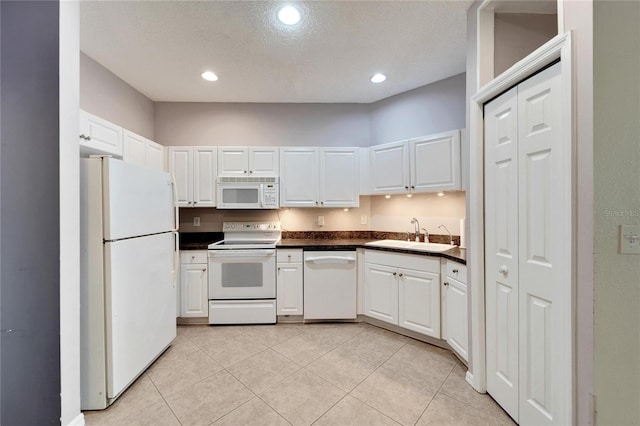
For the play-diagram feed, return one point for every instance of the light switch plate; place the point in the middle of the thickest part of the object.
(363, 220)
(320, 220)
(196, 221)
(630, 239)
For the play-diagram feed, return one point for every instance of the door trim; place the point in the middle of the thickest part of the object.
(558, 48)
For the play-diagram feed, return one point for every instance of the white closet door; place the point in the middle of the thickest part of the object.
(545, 247)
(501, 249)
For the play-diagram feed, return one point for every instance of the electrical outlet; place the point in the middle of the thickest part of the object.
(320, 220)
(363, 220)
(630, 239)
(196, 221)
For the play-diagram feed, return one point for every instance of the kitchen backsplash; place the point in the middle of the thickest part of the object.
(378, 213)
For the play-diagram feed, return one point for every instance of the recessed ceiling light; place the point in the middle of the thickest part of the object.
(209, 76)
(387, 196)
(289, 15)
(440, 194)
(378, 78)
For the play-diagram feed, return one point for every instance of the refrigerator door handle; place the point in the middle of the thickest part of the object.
(176, 258)
(175, 203)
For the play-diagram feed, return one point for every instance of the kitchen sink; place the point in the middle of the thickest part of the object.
(411, 245)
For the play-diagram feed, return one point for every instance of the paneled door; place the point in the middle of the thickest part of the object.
(501, 249)
(528, 252)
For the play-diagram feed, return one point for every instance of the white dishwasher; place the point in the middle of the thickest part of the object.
(330, 284)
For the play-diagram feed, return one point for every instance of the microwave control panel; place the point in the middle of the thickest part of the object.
(270, 194)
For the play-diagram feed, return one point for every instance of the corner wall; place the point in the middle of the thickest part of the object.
(616, 167)
(104, 94)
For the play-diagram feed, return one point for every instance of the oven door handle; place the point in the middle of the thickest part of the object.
(241, 253)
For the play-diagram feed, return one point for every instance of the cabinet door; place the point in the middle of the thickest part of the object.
(289, 289)
(339, 177)
(154, 154)
(264, 161)
(134, 148)
(99, 136)
(204, 176)
(233, 161)
(435, 162)
(181, 166)
(193, 291)
(456, 318)
(381, 292)
(389, 168)
(299, 177)
(419, 301)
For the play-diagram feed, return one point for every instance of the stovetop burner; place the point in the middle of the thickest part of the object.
(248, 235)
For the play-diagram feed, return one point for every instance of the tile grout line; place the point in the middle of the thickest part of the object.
(435, 394)
(165, 401)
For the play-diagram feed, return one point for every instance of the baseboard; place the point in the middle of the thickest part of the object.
(192, 321)
(78, 421)
(469, 377)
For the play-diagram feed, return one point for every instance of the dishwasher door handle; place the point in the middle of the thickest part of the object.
(330, 259)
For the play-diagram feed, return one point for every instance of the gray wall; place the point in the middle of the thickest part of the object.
(193, 123)
(429, 109)
(29, 214)
(104, 94)
(433, 108)
(518, 34)
(616, 167)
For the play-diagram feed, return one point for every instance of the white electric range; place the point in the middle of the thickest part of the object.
(242, 274)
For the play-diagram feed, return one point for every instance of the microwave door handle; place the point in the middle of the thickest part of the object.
(261, 194)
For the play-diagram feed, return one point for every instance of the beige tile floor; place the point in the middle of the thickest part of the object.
(301, 374)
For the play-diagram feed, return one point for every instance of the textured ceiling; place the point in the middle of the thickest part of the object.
(162, 47)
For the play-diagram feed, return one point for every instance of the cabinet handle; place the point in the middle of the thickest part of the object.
(413, 187)
(85, 137)
(455, 271)
(322, 202)
(250, 171)
(195, 202)
(204, 270)
(406, 187)
(193, 257)
(278, 269)
(445, 283)
(503, 270)
(395, 273)
(401, 275)
(245, 172)
(316, 203)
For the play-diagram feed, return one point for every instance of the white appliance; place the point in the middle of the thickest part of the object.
(330, 285)
(242, 274)
(248, 193)
(128, 266)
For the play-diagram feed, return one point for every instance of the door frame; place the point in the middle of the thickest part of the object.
(558, 48)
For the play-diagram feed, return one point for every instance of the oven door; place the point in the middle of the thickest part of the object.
(242, 274)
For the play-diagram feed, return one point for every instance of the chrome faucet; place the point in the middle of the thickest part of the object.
(450, 236)
(415, 222)
(426, 235)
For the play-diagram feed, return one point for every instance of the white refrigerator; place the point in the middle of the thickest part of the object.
(128, 271)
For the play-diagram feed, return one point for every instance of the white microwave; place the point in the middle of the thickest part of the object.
(248, 193)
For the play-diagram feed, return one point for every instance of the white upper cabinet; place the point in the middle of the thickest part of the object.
(319, 177)
(142, 151)
(248, 161)
(194, 170)
(339, 177)
(99, 136)
(435, 162)
(299, 178)
(389, 168)
(424, 164)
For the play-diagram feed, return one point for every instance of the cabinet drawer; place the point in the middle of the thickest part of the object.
(457, 271)
(289, 256)
(193, 256)
(407, 261)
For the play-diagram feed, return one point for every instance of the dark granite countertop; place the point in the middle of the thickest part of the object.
(456, 254)
(200, 241)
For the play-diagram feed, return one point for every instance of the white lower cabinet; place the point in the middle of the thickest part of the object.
(289, 283)
(193, 284)
(455, 300)
(403, 290)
